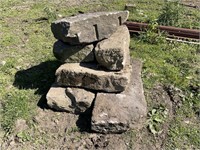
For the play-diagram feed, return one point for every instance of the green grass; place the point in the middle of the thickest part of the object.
(28, 72)
(179, 15)
(17, 105)
(167, 63)
(173, 64)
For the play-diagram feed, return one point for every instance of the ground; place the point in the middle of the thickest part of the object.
(170, 75)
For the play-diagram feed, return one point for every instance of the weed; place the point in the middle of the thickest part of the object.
(131, 138)
(171, 14)
(72, 130)
(157, 116)
(183, 136)
(152, 35)
(51, 14)
(23, 136)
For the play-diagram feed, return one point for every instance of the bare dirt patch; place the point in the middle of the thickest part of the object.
(191, 3)
(60, 130)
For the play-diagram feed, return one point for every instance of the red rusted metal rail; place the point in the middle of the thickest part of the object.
(172, 31)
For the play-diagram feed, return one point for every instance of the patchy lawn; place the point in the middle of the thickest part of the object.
(170, 75)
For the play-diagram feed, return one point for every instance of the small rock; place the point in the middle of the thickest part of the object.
(56, 121)
(58, 100)
(73, 54)
(113, 53)
(87, 28)
(130, 7)
(72, 100)
(12, 143)
(2, 63)
(18, 67)
(89, 77)
(187, 121)
(116, 113)
(60, 16)
(88, 143)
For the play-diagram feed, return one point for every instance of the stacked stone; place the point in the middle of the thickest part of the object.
(94, 48)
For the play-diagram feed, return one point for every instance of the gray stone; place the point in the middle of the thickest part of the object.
(72, 100)
(58, 100)
(116, 113)
(90, 77)
(81, 98)
(87, 28)
(73, 54)
(2, 63)
(113, 53)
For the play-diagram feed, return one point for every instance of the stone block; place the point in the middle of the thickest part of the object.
(87, 28)
(113, 53)
(73, 54)
(116, 113)
(73, 100)
(88, 76)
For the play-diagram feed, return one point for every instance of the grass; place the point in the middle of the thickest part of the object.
(167, 13)
(167, 63)
(27, 64)
(173, 64)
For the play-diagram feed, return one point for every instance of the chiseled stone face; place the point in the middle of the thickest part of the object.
(116, 113)
(88, 76)
(87, 28)
(113, 53)
(73, 100)
(73, 53)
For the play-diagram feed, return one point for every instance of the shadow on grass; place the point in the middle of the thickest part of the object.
(39, 77)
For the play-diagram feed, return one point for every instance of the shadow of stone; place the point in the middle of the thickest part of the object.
(84, 120)
(39, 77)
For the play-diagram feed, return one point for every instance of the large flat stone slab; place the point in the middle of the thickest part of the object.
(116, 113)
(113, 53)
(73, 100)
(87, 28)
(90, 77)
(73, 54)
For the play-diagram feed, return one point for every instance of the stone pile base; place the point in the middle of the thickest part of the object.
(112, 112)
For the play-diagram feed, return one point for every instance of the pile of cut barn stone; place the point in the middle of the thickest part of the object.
(97, 71)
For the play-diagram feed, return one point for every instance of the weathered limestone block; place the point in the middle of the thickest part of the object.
(113, 53)
(116, 113)
(68, 99)
(89, 77)
(81, 98)
(73, 54)
(87, 28)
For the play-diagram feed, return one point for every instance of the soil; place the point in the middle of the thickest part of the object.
(191, 3)
(60, 130)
